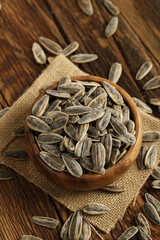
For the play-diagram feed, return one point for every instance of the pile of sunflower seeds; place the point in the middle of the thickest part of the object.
(82, 127)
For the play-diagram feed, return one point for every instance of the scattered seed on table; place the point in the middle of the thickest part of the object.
(16, 154)
(50, 45)
(115, 72)
(38, 53)
(151, 136)
(151, 213)
(151, 155)
(141, 157)
(155, 101)
(95, 209)
(144, 70)
(143, 106)
(143, 234)
(75, 227)
(156, 184)
(83, 58)
(114, 189)
(72, 47)
(151, 199)
(3, 111)
(152, 84)
(129, 233)
(141, 221)
(5, 175)
(86, 6)
(86, 231)
(45, 221)
(111, 7)
(65, 228)
(111, 27)
(156, 173)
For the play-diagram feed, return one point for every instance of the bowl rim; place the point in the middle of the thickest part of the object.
(122, 162)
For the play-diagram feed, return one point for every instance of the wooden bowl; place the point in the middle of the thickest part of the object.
(88, 182)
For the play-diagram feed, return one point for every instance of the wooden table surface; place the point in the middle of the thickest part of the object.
(21, 23)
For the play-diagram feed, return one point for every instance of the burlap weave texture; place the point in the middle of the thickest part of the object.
(133, 180)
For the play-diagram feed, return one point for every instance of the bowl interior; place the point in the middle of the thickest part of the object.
(89, 181)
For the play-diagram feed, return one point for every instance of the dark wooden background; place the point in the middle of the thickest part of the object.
(21, 23)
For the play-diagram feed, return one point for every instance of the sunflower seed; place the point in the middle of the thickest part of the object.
(116, 143)
(59, 123)
(152, 84)
(83, 58)
(87, 163)
(115, 72)
(64, 80)
(50, 45)
(57, 93)
(70, 130)
(107, 142)
(130, 125)
(144, 70)
(38, 53)
(127, 138)
(156, 173)
(53, 106)
(99, 91)
(113, 159)
(113, 93)
(92, 131)
(81, 131)
(114, 113)
(65, 228)
(86, 231)
(71, 87)
(92, 116)
(52, 161)
(151, 136)
(151, 199)
(50, 59)
(143, 234)
(79, 145)
(129, 233)
(54, 150)
(37, 124)
(87, 94)
(19, 131)
(72, 47)
(151, 155)
(119, 127)
(111, 7)
(16, 154)
(5, 175)
(98, 156)
(77, 110)
(155, 101)
(61, 146)
(98, 101)
(121, 155)
(49, 137)
(86, 6)
(156, 184)
(141, 157)
(87, 143)
(88, 83)
(69, 144)
(111, 27)
(3, 111)
(73, 118)
(47, 120)
(103, 122)
(75, 227)
(115, 189)
(72, 166)
(30, 237)
(56, 114)
(95, 209)
(40, 107)
(141, 221)
(77, 96)
(87, 101)
(126, 114)
(143, 106)
(151, 213)
(45, 221)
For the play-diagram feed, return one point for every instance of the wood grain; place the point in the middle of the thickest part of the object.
(21, 23)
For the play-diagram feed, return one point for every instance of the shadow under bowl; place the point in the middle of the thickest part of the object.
(88, 182)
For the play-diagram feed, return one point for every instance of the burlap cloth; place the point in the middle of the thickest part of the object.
(133, 180)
